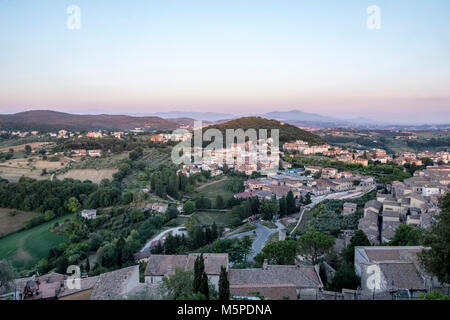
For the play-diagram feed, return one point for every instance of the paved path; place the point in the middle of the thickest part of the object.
(174, 231)
(262, 234)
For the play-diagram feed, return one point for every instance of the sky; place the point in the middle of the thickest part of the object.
(234, 56)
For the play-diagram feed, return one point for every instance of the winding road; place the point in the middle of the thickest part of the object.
(262, 234)
(174, 231)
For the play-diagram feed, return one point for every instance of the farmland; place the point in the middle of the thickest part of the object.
(93, 175)
(25, 248)
(221, 218)
(13, 169)
(21, 147)
(11, 223)
(211, 190)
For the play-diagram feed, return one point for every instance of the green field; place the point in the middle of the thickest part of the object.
(209, 217)
(178, 221)
(212, 190)
(26, 248)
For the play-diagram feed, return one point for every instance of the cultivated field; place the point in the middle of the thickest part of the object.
(25, 248)
(212, 189)
(21, 147)
(10, 224)
(93, 175)
(13, 169)
(14, 174)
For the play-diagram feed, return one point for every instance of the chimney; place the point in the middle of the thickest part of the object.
(265, 263)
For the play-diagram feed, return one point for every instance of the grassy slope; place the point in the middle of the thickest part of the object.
(10, 224)
(211, 191)
(27, 247)
(220, 218)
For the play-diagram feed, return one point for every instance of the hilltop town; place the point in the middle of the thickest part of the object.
(132, 221)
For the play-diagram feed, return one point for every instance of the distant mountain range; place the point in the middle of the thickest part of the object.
(206, 116)
(298, 115)
(52, 120)
(294, 117)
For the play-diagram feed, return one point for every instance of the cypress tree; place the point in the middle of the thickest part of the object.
(119, 247)
(283, 206)
(290, 202)
(88, 265)
(215, 231)
(199, 269)
(224, 285)
(204, 288)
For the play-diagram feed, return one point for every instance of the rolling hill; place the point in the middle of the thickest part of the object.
(52, 120)
(287, 131)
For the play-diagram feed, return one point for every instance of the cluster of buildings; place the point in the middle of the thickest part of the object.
(247, 157)
(386, 273)
(55, 286)
(165, 137)
(312, 180)
(441, 157)
(415, 201)
(363, 157)
(274, 282)
(96, 153)
(192, 168)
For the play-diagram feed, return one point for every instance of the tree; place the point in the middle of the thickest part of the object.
(62, 264)
(179, 284)
(307, 199)
(359, 239)
(27, 149)
(200, 281)
(49, 215)
(427, 162)
(136, 215)
(88, 264)
(282, 207)
(406, 235)
(269, 208)
(199, 269)
(73, 205)
(247, 246)
(224, 285)
(436, 258)
(214, 231)
(42, 266)
(189, 207)
(119, 247)
(279, 252)
(219, 202)
(435, 295)
(314, 244)
(7, 273)
(135, 154)
(172, 211)
(344, 278)
(290, 203)
(204, 286)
